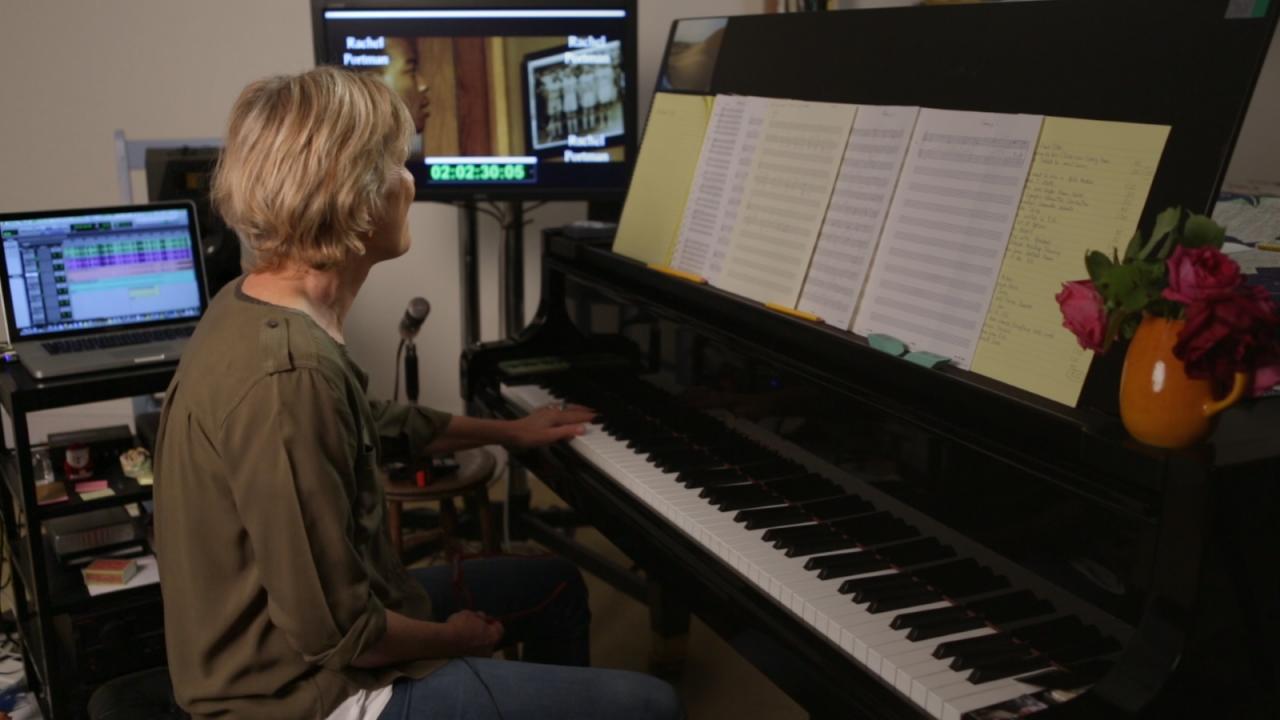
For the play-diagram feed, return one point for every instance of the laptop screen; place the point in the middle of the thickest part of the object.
(100, 269)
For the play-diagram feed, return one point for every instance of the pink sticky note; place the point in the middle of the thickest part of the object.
(90, 486)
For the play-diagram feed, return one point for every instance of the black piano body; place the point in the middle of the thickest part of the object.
(1162, 563)
(1172, 554)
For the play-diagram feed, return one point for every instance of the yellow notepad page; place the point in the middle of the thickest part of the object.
(1088, 184)
(664, 171)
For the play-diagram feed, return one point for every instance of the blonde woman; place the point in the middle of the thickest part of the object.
(282, 595)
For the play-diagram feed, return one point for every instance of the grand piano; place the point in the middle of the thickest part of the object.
(885, 540)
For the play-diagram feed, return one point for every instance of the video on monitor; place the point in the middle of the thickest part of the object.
(516, 101)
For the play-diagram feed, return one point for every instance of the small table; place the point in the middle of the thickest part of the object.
(471, 479)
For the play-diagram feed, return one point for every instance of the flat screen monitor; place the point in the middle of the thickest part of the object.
(511, 99)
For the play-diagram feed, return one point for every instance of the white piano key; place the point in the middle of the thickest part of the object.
(955, 709)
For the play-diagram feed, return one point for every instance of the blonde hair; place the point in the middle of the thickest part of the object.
(307, 165)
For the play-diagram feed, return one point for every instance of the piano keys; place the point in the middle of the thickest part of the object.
(896, 600)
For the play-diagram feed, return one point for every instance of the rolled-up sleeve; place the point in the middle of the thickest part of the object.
(290, 446)
(414, 424)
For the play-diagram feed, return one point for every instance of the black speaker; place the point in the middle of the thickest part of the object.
(185, 174)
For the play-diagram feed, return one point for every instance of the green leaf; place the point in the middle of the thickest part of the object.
(1130, 325)
(1201, 231)
(1135, 245)
(1132, 286)
(1114, 321)
(1166, 223)
(1096, 263)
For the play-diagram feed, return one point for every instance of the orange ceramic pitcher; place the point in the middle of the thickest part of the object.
(1159, 404)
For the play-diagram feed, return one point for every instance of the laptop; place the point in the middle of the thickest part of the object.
(102, 288)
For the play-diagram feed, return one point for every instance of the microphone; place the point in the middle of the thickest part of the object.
(414, 315)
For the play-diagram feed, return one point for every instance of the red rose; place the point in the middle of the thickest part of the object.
(1083, 313)
(1200, 273)
(1229, 333)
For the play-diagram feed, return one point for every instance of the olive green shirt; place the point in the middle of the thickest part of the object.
(275, 564)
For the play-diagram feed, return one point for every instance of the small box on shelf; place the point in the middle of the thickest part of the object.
(109, 571)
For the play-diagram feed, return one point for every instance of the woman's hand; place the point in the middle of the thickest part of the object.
(474, 634)
(549, 424)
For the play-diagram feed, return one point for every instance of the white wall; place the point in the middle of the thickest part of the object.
(73, 71)
(1257, 155)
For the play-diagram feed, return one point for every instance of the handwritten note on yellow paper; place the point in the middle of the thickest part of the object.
(664, 171)
(1087, 187)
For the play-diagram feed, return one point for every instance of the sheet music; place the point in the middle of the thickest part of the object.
(856, 214)
(947, 229)
(723, 166)
(660, 184)
(1086, 190)
(746, 142)
(785, 198)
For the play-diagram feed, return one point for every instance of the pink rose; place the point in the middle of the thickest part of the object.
(1265, 378)
(1200, 274)
(1083, 313)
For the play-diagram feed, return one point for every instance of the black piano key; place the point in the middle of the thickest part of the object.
(882, 558)
(674, 453)
(825, 561)
(748, 502)
(818, 546)
(915, 552)
(712, 477)
(1089, 649)
(869, 562)
(1065, 640)
(758, 460)
(958, 574)
(978, 583)
(868, 531)
(993, 656)
(961, 578)
(1011, 668)
(929, 617)
(1019, 605)
(1076, 676)
(1052, 632)
(762, 518)
(634, 430)
(876, 582)
(891, 590)
(943, 572)
(943, 629)
(952, 648)
(648, 448)
(891, 601)
(772, 468)
(802, 489)
(840, 506)
(740, 497)
(693, 460)
(795, 532)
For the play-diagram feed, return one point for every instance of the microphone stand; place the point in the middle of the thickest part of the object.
(411, 371)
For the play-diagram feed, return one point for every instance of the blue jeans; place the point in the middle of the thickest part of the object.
(543, 603)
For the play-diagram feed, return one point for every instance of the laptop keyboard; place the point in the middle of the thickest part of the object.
(103, 342)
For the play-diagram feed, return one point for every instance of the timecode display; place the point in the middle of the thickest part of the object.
(483, 172)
